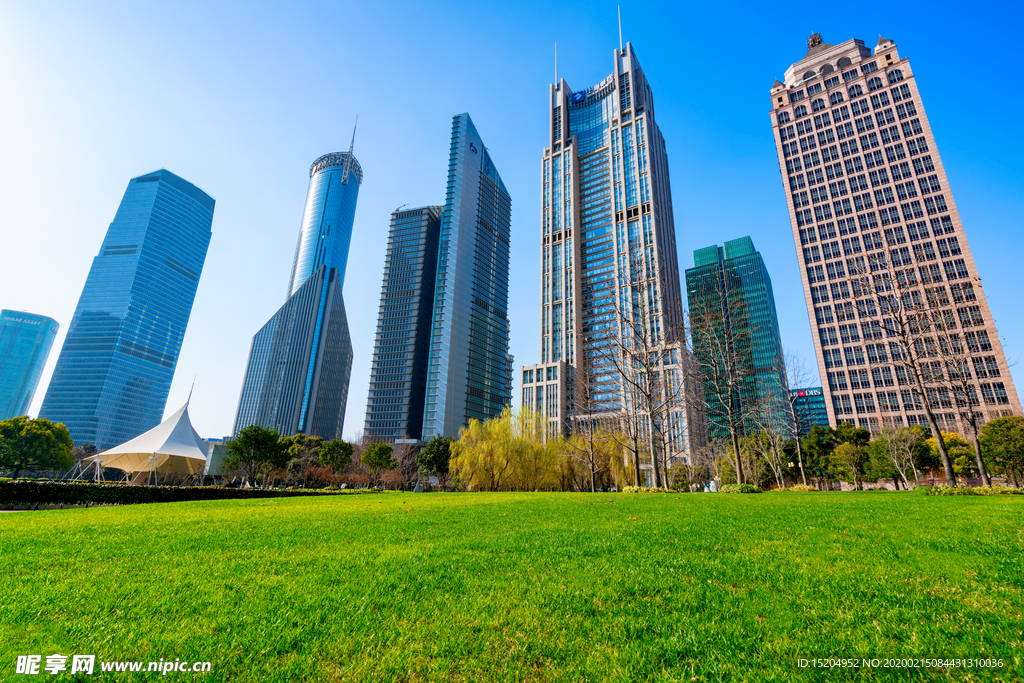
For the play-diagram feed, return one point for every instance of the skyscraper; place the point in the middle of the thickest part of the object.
(300, 362)
(808, 409)
(398, 379)
(469, 375)
(607, 232)
(902, 324)
(730, 292)
(25, 342)
(115, 368)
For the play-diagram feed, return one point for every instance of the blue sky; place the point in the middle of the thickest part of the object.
(240, 98)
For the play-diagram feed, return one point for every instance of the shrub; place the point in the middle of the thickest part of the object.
(970, 491)
(740, 488)
(799, 488)
(79, 493)
(646, 489)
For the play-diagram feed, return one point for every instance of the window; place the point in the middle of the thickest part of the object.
(836, 97)
(962, 292)
(812, 254)
(832, 82)
(874, 84)
(894, 76)
(796, 96)
(799, 111)
(818, 104)
(868, 67)
(853, 165)
(880, 100)
(814, 89)
(855, 91)
(782, 117)
(837, 381)
(822, 121)
(850, 75)
(864, 124)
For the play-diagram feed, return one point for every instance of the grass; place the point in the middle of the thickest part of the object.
(521, 587)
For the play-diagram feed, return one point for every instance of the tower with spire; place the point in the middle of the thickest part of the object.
(297, 377)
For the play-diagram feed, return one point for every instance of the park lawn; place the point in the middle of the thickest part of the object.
(521, 587)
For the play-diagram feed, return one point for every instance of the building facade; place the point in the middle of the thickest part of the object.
(880, 241)
(608, 254)
(25, 343)
(401, 352)
(808, 409)
(469, 375)
(730, 292)
(114, 371)
(300, 362)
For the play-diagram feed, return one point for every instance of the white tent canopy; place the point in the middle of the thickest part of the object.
(172, 447)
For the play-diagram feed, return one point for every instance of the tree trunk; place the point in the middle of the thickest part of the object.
(800, 461)
(636, 462)
(654, 454)
(736, 457)
(17, 471)
(985, 479)
(947, 465)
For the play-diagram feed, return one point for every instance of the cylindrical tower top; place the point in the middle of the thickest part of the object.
(326, 230)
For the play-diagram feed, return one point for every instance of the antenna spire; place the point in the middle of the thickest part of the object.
(351, 147)
(619, 9)
(556, 66)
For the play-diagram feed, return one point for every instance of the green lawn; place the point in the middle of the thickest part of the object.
(516, 587)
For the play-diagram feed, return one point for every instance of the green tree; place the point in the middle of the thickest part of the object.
(336, 454)
(35, 444)
(256, 451)
(1003, 440)
(378, 458)
(960, 452)
(849, 459)
(433, 459)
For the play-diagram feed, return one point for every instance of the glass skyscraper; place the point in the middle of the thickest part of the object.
(469, 372)
(607, 232)
(808, 409)
(732, 285)
(25, 342)
(115, 368)
(300, 362)
(398, 380)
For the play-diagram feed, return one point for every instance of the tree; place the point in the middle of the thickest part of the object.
(723, 343)
(798, 377)
(959, 450)
(83, 451)
(255, 452)
(899, 446)
(336, 454)
(849, 458)
(433, 459)
(35, 444)
(506, 452)
(1003, 439)
(377, 457)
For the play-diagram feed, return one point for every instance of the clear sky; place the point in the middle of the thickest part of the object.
(240, 98)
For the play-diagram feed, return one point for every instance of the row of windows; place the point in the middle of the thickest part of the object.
(938, 398)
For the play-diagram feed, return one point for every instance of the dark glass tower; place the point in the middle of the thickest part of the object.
(808, 409)
(300, 362)
(398, 380)
(25, 342)
(115, 369)
(736, 272)
(469, 374)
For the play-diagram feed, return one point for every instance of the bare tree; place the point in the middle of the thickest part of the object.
(798, 376)
(644, 354)
(592, 441)
(900, 443)
(722, 340)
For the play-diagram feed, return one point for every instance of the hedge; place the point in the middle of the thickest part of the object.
(970, 491)
(81, 493)
(740, 488)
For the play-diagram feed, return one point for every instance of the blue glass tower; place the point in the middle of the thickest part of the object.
(300, 362)
(470, 371)
(25, 342)
(729, 287)
(115, 368)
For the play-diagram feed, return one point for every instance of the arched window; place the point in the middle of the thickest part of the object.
(835, 98)
(874, 83)
(818, 104)
(895, 75)
(855, 91)
(827, 69)
(809, 74)
(843, 61)
(799, 111)
(782, 117)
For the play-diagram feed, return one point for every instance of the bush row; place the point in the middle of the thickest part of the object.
(740, 488)
(971, 491)
(646, 489)
(81, 493)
